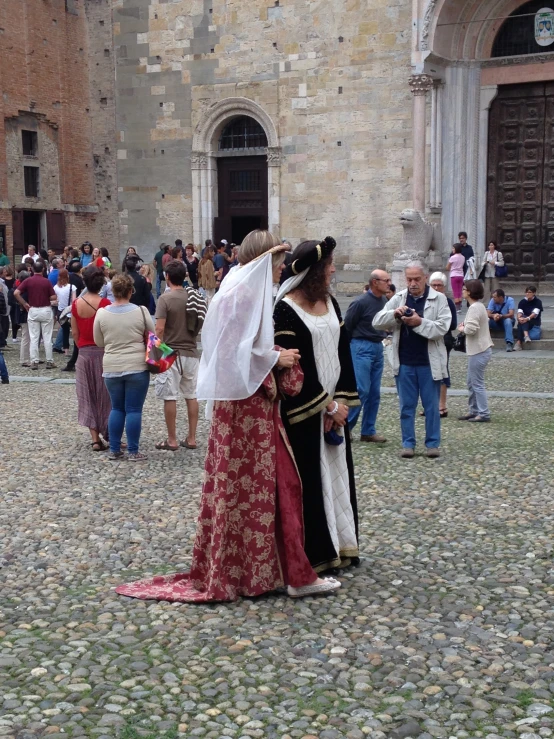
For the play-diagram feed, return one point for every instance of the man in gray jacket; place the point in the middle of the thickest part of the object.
(419, 318)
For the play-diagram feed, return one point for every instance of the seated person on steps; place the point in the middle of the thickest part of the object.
(501, 310)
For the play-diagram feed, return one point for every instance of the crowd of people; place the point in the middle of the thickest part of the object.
(284, 378)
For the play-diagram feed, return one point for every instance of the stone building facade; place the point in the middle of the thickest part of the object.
(325, 80)
(196, 119)
(58, 178)
(358, 109)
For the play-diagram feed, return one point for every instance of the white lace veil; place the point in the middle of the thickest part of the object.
(238, 334)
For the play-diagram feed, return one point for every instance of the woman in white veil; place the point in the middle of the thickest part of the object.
(250, 533)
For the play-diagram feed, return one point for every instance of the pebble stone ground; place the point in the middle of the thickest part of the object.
(445, 630)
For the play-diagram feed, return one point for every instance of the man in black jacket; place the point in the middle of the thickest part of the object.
(367, 353)
(467, 249)
(141, 295)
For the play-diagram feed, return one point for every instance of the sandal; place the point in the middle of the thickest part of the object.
(166, 446)
(99, 446)
(187, 445)
(443, 413)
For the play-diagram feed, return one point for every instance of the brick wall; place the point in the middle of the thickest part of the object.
(50, 64)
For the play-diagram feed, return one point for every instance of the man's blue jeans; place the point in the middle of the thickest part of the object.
(367, 357)
(508, 328)
(127, 394)
(413, 383)
(58, 344)
(4, 375)
(159, 279)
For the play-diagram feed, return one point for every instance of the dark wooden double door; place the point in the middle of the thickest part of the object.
(520, 193)
(27, 229)
(242, 197)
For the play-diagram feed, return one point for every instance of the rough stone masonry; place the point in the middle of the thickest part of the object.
(331, 76)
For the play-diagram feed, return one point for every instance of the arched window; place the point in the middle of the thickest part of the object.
(528, 30)
(242, 133)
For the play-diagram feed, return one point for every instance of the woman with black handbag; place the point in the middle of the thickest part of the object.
(478, 348)
(438, 282)
(66, 293)
(493, 268)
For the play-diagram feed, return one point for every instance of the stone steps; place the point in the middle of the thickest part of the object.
(544, 344)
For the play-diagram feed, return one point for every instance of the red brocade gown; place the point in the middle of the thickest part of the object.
(250, 531)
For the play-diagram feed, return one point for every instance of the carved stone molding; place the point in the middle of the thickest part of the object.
(199, 160)
(508, 61)
(420, 84)
(427, 18)
(219, 113)
(273, 157)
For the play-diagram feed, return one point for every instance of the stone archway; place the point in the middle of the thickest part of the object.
(452, 57)
(204, 163)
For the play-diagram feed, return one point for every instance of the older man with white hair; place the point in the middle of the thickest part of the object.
(419, 317)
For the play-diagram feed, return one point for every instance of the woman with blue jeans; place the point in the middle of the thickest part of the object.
(120, 329)
(478, 348)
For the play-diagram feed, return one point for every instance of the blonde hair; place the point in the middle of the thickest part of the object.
(148, 271)
(257, 243)
(122, 286)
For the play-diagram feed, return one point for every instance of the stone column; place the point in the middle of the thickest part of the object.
(420, 84)
(486, 97)
(198, 162)
(274, 190)
(435, 179)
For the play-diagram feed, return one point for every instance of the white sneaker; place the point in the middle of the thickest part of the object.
(15, 341)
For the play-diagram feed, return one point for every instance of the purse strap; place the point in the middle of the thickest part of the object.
(146, 329)
(89, 305)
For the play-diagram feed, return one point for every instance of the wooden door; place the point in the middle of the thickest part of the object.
(547, 220)
(520, 193)
(18, 234)
(242, 193)
(55, 230)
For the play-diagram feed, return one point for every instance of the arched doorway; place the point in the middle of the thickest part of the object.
(520, 191)
(242, 180)
(235, 165)
(490, 65)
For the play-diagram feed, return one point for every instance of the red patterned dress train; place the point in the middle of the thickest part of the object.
(250, 533)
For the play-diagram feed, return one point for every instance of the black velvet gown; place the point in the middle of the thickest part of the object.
(302, 419)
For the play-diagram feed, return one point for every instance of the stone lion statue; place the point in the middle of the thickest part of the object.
(419, 236)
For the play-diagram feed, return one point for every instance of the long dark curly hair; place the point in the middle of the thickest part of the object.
(314, 284)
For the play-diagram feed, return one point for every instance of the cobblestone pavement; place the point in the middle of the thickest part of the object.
(445, 630)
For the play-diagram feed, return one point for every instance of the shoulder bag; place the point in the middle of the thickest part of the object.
(159, 356)
(65, 314)
(460, 343)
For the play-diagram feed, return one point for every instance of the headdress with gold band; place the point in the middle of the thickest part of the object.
(300, 267)
(316, 254)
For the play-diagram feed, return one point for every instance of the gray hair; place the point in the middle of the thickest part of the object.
(416, 264)
(56, 262)
(439, 276)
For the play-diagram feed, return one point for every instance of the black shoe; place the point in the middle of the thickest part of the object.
(58, 351)
(5, 381)
(68, 368)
